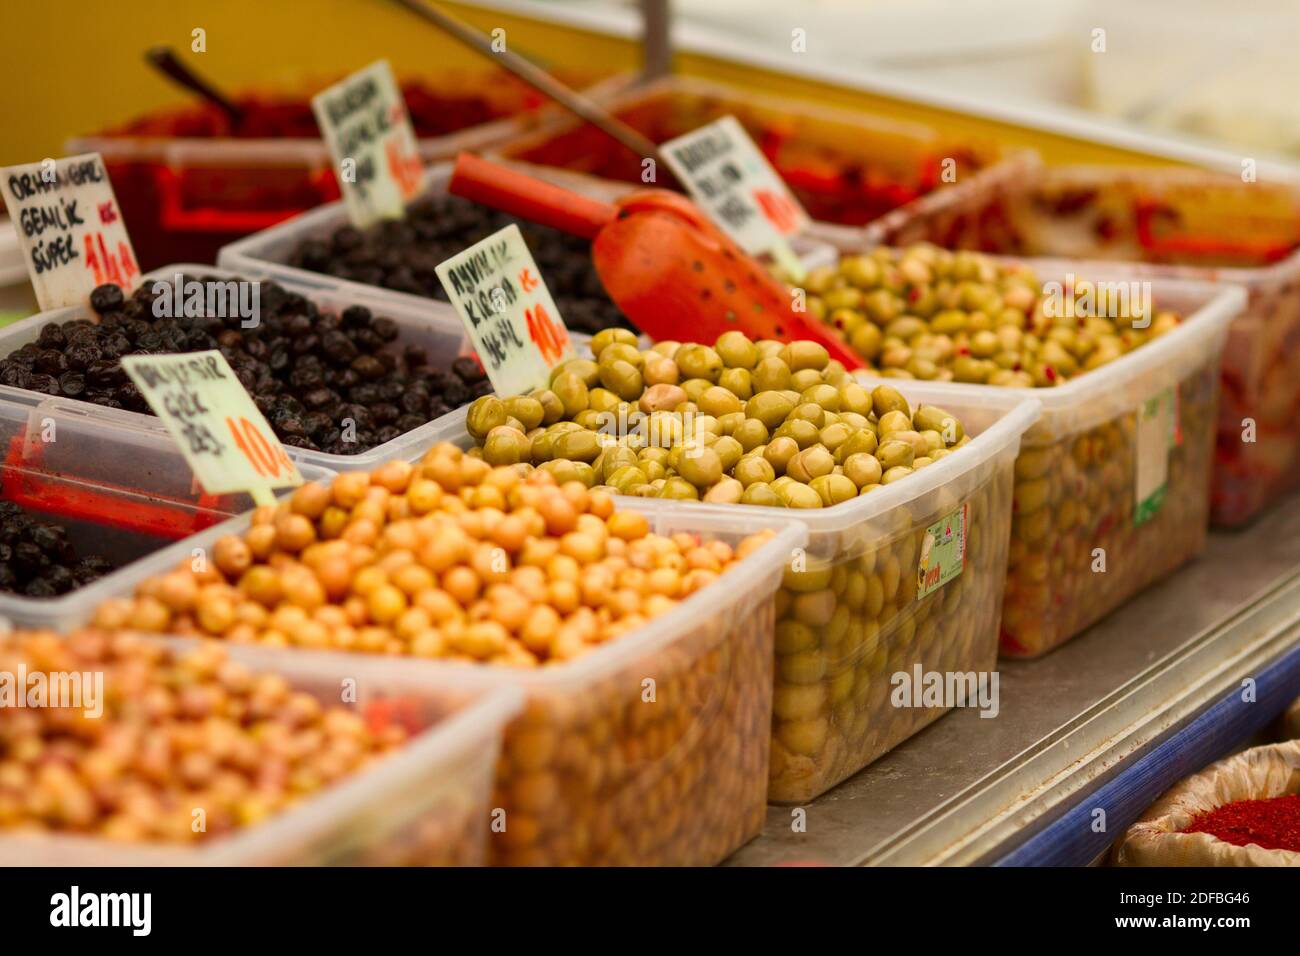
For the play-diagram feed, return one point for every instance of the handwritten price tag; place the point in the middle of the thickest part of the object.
(369, 134)
(511, 318)
(733, 182)
(226, 440)
(70, 228)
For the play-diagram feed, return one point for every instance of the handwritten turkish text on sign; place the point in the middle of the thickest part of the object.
(70, 228)
(226, 440)
(369, 134)
(734, 183)
(511, 318)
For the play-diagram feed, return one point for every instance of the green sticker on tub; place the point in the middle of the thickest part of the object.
(1157, 434)
(943, 552)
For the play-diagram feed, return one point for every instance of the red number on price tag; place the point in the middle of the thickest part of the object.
(404, 169)
(779, 209)
(544, 335)
(267, 459)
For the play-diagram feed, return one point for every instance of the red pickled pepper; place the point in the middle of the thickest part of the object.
(1273, 824)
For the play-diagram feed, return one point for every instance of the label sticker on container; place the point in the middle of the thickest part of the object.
(224, 437)
(70, 228)
(735, 184)
(369, 134)
(943, 552)
(1157, 435)
(512, 320)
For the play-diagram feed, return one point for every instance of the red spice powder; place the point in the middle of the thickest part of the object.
(1273, 824)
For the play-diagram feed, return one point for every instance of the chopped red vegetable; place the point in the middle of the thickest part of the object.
(1273, 824)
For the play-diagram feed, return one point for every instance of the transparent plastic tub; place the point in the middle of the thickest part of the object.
(121, 491)
(847, 614)
(427, 804)
(435, 330)
(268, 252)
(651, 750)
(846, 168)
(1165, 223)
(1080, 547)
(185, 196)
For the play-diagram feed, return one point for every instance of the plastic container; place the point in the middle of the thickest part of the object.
(1090, 530)
(122, 491)
(268, 252)
(431, 326)
(848, 619)
(183, 197)
(427, 804)
(651, 750)
(1165, 223)
(846, 168)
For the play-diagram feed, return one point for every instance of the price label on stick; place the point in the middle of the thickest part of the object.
(512, 320)
(369, 134)
(226, 440)
(733, 182)
(70, 228)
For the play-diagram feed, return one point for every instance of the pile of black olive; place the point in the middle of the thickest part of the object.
(325, 382)
(403, 254)
(36, 558)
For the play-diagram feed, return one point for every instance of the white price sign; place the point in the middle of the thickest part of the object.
(369, 134)
(511, 318)
(70, 228)
(736, 185)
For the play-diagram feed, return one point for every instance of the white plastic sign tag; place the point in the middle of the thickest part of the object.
(733, 182)
(70, 228)
(511, 318)
(369, 134)
(1157, 435)
(224, 437)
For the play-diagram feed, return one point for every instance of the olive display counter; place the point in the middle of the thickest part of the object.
(1181, 675)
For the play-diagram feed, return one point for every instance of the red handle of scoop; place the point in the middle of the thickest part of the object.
(500, 187)
(673, 273)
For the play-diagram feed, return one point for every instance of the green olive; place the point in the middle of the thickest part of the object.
(572, 391)
(610, 336)
(863, 469)
(620, 377)
(891, 422)
(661, 398)
(932, 417)
(750, 470)
(805, 354)
(805, 379)
(804, 432)
(620, 351)
(770, 408)
(798, 495)
(626, 478)
(729, 450)
(526, 409)
(860, 442)
(894, 474)
(506, 446)
(702, 467)
(585, 369)
(695, 387)
(552, 407)
(779, 452)
(718, 401)
(736, 350)
(566, 470)
(727, 491)
(771, 374)
(866, 340)
(809, 412)
(810, 463)
(761, 495)
(737, 381)
(833, 489)
(485, 414)
(893, 454)
(827, 396)
(854, 398)
(679, 488)
(578, 445)
(751, 433)
(699, 361)
(834, 435)
(602, 400)
(885, 399)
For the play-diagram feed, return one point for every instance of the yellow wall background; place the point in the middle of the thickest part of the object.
(79, 67)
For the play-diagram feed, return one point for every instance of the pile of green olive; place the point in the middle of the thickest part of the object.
(927, 313)
(738, 422)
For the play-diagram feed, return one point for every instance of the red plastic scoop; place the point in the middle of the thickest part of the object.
(674, 274)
